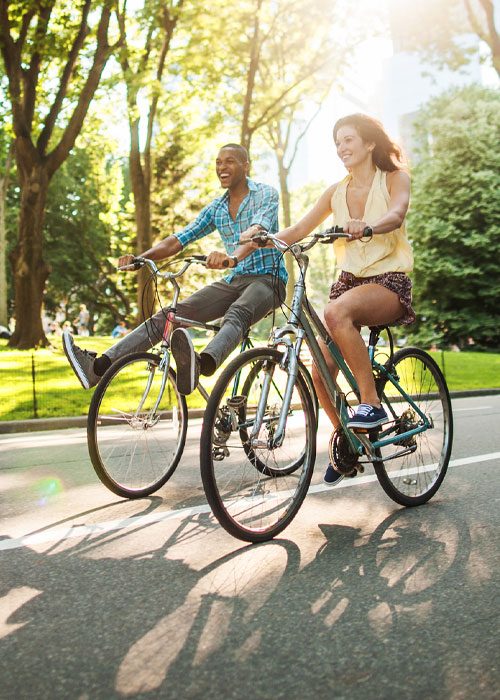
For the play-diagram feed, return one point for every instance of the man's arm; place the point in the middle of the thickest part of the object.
(200, 227)
(164, 249)
(266, 215)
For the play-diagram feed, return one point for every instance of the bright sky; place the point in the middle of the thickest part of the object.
(383, 84)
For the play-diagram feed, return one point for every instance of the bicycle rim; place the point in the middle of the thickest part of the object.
(414, 477)
(133, 447)
(250, 487)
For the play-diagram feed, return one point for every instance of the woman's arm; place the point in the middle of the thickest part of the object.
(308, 223)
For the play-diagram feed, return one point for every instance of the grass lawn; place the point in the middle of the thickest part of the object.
(58, 392)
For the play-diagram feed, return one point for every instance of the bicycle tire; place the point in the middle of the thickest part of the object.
(255, 504)
(252, 456)
(133, 451)
(412, 479)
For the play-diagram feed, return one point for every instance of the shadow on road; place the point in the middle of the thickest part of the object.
(379, 616)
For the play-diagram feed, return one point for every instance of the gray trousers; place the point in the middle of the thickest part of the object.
(240, 303)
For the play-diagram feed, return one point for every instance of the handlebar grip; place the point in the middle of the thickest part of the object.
(200, 258)
(137, 263)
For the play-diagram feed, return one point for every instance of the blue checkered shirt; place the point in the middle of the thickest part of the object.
(260, 206)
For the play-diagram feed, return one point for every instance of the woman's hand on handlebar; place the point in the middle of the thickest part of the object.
(356, 229)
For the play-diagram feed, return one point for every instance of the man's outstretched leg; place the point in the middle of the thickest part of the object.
(256, 296)
(206, 305)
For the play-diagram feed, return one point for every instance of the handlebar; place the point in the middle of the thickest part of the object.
(139, 262)
(327, 236)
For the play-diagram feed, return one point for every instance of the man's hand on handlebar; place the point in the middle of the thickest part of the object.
(257, 239)
(219, 261)
(126, 262)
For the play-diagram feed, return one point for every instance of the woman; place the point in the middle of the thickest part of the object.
(373, 288)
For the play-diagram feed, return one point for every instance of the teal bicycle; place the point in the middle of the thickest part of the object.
(257, 487)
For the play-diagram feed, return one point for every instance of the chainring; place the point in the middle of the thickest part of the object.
(341, 454)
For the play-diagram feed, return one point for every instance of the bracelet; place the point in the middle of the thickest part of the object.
(235, 260)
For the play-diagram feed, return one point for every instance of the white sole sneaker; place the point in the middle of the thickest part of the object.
(188, 371)
(71, 351)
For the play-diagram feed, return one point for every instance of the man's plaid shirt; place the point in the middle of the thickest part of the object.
(260, 206)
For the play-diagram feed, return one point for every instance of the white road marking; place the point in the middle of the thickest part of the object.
(65, 533)
(474, 408)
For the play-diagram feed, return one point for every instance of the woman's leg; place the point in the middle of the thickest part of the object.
(366, 305)
(321, 392)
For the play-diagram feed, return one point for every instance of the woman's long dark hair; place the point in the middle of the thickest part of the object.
(386, 155)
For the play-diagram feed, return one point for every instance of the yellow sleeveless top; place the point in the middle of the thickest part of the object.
(385, 252)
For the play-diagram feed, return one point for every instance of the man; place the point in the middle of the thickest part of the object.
(254, 286)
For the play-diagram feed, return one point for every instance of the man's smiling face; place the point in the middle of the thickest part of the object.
(230, 167)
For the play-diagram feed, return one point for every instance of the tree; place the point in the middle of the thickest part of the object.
(455, 219)
(143, 67)
(5, 179)
(287, 49)
(42, 47)
(438, 29)
(81, 223)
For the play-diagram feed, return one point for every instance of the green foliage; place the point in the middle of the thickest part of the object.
(59, 394)
(454, 222)
(86, 230)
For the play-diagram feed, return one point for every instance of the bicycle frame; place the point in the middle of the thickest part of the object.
(304, 323)
(171, 320)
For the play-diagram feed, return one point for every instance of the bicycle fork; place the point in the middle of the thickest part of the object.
(289, 361)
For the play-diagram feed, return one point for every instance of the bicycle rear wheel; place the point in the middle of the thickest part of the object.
(254, 488)
(414, 477)
(133, 447)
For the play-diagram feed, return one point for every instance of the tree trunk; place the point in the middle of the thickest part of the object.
(140, 177)
(287, 220)
(29, 268)
(4, 186)
(246, 129)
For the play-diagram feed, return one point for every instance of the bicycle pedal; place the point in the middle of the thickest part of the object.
(219, 453)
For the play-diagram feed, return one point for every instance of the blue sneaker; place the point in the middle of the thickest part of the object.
(368, 417)
(332, 477)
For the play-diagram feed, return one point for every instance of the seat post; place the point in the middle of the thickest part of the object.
(375, 332)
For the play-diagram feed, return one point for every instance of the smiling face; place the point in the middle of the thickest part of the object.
(351, 148)
(231, 168)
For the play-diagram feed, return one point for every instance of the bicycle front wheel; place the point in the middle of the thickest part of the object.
(253, 486)
(414, 477)
(136, 427)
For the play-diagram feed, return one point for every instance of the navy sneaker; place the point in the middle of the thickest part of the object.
(332, 476)
(367, 417)
(187, 361)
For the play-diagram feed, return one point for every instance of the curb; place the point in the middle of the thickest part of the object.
(39, 424)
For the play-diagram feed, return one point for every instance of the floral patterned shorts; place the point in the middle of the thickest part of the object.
(397, 282)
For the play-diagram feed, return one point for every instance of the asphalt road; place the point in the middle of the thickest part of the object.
(359, 598)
